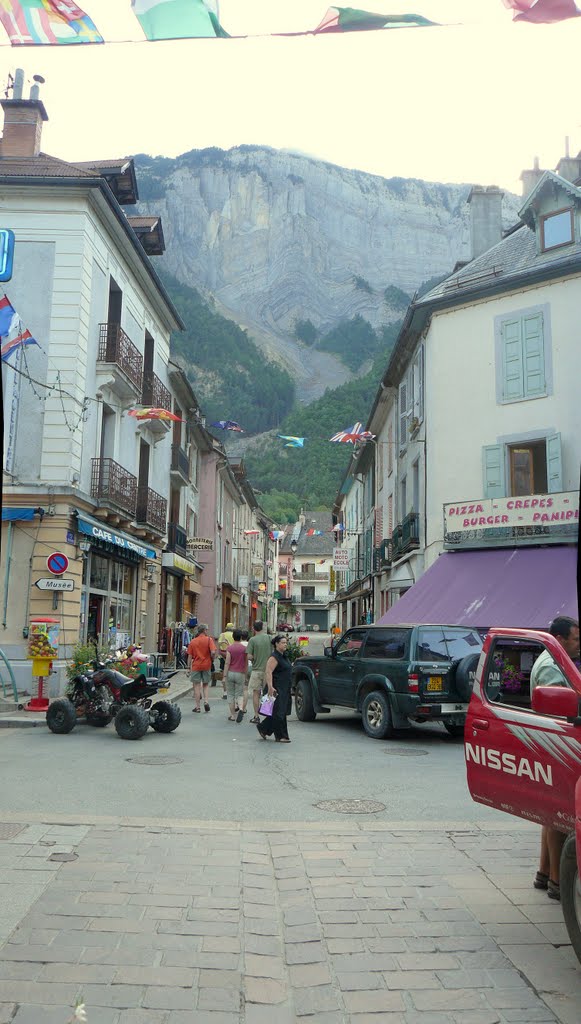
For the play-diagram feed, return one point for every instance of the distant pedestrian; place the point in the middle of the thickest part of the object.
(259, 650)
(278, 680)
(224, 640)
(235, 677)
(201, 651)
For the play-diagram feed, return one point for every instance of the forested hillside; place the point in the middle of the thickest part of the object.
(230, 375)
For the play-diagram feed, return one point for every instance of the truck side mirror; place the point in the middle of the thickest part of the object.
(555, 701)
(328, 651)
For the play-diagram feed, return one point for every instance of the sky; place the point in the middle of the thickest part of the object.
(474, 101)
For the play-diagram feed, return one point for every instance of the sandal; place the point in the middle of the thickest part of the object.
(541, 880)
(553, 890)
(240, 715)
(283, 741)
(254, 721)
(196, 711)
(206, 707)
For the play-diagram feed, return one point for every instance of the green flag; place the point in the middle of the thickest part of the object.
(349, 19)
(178, 19)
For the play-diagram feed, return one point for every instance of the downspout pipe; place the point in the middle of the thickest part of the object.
(7, 572)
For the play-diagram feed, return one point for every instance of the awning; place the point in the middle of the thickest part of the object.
(102, 531)
(526, 587)
(21, 515)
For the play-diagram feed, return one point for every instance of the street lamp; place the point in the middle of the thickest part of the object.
(293, 546)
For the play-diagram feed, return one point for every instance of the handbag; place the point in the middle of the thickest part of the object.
(266, 705)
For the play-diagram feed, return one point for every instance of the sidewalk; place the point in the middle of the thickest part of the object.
(228, 923)
(180, 687)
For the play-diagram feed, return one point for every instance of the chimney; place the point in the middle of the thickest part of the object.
(22, 120)
(485, 218)
(569, 167)
(529, 178)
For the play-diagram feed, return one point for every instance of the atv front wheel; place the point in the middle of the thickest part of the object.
(165, 716)
(131, 722)
(61, 716)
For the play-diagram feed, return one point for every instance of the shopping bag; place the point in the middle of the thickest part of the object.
(266, 705)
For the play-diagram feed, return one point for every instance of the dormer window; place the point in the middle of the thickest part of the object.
(557, 229)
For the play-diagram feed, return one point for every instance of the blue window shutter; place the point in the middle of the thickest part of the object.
(494, 472)
(534, 356)
(512, 361)
(554, 464)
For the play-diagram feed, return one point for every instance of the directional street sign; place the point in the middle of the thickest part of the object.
(55, 584)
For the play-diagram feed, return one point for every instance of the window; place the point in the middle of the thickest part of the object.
(307, 595)
(557, 229)
(523, 358)
(403, 498)
(308, 568)
(461, 643)
(417, 411)
(507, 680)
(390, 450)
(432, 645)
(416, 486)
(386, 643)
(403, 413)
(526, 467)
(350, 645)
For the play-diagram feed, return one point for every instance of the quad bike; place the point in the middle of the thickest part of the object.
(104, 695)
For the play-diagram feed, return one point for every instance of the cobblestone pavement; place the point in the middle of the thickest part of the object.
(348, 923)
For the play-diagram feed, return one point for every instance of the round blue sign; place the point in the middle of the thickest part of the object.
(57, 563)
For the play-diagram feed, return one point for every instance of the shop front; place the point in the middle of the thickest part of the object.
(113, 576)
(180, 590)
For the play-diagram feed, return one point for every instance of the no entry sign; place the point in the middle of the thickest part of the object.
(57, 563)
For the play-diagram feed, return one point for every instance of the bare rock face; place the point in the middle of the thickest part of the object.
(275, 236)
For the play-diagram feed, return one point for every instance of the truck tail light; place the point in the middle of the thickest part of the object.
(413, 684)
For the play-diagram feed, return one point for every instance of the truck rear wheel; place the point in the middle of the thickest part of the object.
(376, 715)
(571, 893)
(457, 731)
(304, 709)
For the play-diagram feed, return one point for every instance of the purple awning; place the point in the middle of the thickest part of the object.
(525, 587)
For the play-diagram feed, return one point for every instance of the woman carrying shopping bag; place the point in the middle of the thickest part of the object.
(277, 677)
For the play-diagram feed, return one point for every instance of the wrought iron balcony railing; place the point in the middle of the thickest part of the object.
(180, 464)
(115, 347)
(406, 535)
(155, 393)
(112, 485)
(151, 509)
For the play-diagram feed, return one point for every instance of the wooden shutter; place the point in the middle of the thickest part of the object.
(418, 372)
(533, 356)
(378, 526)
(389, 449)
(512, 361)
(494, 471)
(390, 516)
(554, 464)
(403, 413)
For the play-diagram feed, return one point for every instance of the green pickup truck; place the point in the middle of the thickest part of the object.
(393, 676)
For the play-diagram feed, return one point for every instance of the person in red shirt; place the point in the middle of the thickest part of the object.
(201, 651)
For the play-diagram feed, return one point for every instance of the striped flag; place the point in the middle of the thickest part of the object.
(11, 330)
(178, 19)
(543, 12)
(48, 22)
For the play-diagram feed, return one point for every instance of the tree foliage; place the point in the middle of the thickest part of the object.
(231, 376)
(306, 332)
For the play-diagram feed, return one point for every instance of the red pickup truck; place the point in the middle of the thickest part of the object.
(523, 754)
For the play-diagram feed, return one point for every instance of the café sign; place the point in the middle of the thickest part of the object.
(527, 510)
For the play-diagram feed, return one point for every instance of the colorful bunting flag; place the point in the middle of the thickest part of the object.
(543, 12)
(314, 533)
(228, 425)
(251, 533)
(155, 414)
(48, 22)
(178, 19)
(348, 19)
(11, 329)
(292, 442)
(353, 435)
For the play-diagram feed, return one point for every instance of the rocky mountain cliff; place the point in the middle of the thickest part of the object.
(274, 237)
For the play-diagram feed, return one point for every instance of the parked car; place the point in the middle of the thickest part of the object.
(393, 676)
(523, 755)
(285, 627)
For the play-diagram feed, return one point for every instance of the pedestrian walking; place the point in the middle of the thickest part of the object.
(259, 650)
(224, 640)
(201, 651)
(235, 677)
(278, 681)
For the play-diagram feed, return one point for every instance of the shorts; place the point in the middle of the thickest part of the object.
(235, 686)
(204, 676)
(256, 681)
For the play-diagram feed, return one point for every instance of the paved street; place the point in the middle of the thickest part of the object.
(206, 887)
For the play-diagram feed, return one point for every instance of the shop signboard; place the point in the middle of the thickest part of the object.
(243, 582)
(170, 560)
(101, 532)
(526, 510)
(340, 558)
(200, 544)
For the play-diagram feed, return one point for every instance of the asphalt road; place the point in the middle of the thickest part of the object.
(222, 771)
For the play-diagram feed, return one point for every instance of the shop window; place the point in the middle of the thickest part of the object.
(99, 578)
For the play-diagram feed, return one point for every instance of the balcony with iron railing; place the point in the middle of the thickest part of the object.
(311, 577)
(177, 539)
(151, 509)
(113, 487)
(155, 392)
(180, 465)
(406, 535)
(319, 600)
(121, 360)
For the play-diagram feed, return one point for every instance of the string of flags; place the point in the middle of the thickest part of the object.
(63, 22)
(12, 334)
(228, 425)
(154, 413)
(353, 435)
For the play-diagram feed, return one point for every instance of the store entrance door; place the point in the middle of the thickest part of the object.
(95, 618)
